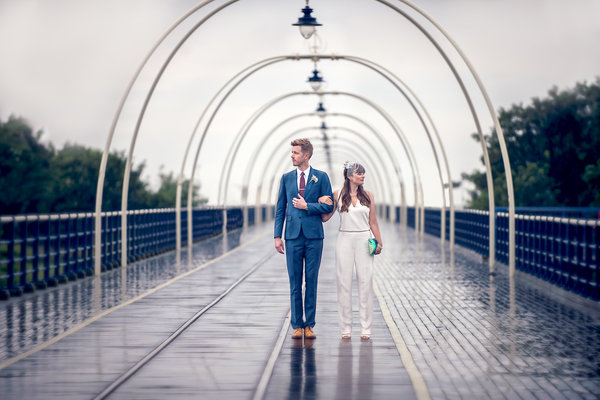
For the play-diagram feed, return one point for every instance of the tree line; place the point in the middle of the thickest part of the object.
(553, 145)
(37, 178)
(554, 149)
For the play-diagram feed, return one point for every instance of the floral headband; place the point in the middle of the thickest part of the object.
(351, 167)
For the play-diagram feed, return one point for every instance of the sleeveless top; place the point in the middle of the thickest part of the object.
(356, 219)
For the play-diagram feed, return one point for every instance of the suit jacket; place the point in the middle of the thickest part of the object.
(309, 221)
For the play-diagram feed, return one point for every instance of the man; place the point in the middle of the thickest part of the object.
(298, 206)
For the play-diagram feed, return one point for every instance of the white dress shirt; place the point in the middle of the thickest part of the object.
(306, 175)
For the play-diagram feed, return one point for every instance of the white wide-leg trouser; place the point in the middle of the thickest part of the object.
(352, 251)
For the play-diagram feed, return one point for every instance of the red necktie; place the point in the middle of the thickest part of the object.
(302, 184)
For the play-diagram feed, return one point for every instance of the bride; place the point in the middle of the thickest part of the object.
(358, 223)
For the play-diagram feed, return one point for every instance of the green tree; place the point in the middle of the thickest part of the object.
(35, 178)
(24, 168)
(554, 148)
(167, 192)
(75, 176)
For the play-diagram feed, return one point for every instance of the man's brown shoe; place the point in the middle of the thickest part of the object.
(308, 333)
(297, 333)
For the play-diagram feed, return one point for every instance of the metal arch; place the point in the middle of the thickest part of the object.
(349, 150)
(498, 128)
(386, 145)
(256, 66)
(105, 153)
(248, 171)
(278, 173)
(369, 159)
(361, 61)
(385, 73)
(403, 212)
(399, 134)
(281, 162)
(382, 172)
(385, 115)
(126, 176)
(367, 64)
(296, 132)
(281, 170)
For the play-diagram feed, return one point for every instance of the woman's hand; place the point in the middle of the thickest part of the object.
(326, 200)
(378, 249)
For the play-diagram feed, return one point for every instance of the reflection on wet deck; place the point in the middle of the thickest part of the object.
(35, 318)
(469, 334)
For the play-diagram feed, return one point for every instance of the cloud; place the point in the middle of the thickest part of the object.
(66, 63)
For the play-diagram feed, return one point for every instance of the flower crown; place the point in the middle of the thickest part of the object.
(350, 164)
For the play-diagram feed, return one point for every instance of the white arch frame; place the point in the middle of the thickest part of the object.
(382, 170)
(418, 188)
(498, 129)
(377, 134)
(349, 150)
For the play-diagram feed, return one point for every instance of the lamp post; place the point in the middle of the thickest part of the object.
(307, 23)
(321, 111)
(315, 80)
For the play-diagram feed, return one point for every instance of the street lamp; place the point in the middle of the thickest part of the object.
(307, 23)
(315, 81)
(323, 128)
(321, 111)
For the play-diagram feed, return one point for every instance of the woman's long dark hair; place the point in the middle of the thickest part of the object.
(361, 193)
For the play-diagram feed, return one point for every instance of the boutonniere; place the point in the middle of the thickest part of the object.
(314, 179)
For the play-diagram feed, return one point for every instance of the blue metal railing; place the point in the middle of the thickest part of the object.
(410, 217)
(37, 251)
(563, 251)
(433, 221)
(235, 218)
(564, 212)
(471, 230)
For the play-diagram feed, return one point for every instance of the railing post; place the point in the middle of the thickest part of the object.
(35, 231)
(71, 257)
(22, 275)
(89, 244)
(45, 231)
(60, 276)
(10, 268)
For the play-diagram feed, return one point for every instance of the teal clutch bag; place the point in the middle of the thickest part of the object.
(372, 246)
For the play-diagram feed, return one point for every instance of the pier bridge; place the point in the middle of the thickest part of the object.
(193, 301)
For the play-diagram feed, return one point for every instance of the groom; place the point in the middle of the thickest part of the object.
(298, 206)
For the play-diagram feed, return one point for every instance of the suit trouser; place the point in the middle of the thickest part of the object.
(352, 251)
(303, 260)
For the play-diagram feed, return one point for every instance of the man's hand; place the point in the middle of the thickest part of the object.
(299, 202)
(326, 200)
(279, 245)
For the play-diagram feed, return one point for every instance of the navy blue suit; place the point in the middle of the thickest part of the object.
(303, 239)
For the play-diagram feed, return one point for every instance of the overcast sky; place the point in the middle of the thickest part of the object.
(65, 64)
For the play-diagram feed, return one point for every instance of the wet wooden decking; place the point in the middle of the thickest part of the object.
(443, 328)
(224, 353)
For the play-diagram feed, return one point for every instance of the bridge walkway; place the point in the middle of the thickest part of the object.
(217, 326)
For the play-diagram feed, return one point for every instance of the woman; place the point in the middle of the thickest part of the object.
(357, 220)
